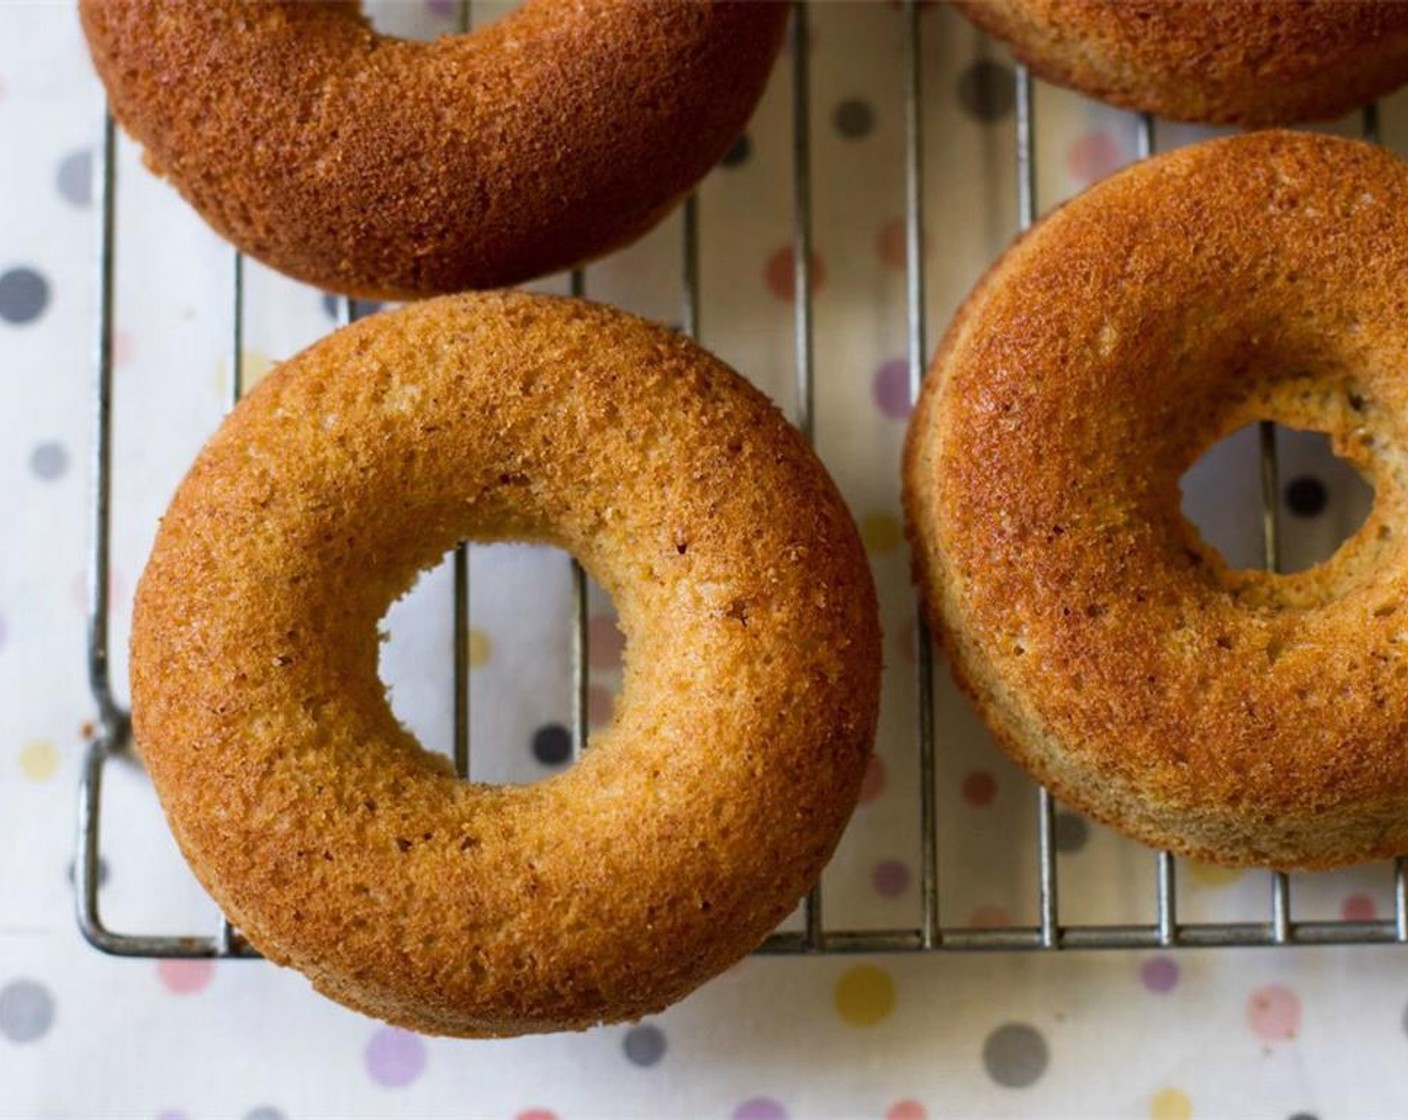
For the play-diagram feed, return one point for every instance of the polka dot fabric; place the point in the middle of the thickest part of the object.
(26, 1011)
(394, 1057)
(1016, 1055)
(1161, 1034)
(24, 295)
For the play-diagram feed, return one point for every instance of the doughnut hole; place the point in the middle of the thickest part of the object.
(1302, 432)
(518, 634)
(1322, 499)
(435, 18)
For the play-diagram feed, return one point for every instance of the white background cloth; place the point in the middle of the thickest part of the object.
(1270, 1034)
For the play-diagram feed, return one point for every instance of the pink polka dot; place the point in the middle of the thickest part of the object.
(906, 1110)
(979, 788)
(122, 347)
(1359, 907)
(537, 1114)
(183, 977)
(891, 389)
(892, 243)
(116, 587)
(394, 1057)
(760, 1108)
(890, 877)
(600, 704)
(873, 784)
(1159, 974)
(605, 642)
(907, 638)
(1273, 1013)
(1095, 155)
(990, 915)
(779, 274)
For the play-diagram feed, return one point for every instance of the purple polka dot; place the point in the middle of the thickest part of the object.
(760, 1108)
(890, 878)
(1159, 974)
(171, 1114)
(395, 1057)
(605, 643)
(891, 389)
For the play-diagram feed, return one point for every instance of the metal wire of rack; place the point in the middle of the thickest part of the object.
(112, 734)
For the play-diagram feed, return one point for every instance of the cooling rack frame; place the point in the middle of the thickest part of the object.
(111, 736)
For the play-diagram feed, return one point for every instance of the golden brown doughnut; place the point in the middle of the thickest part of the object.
(692, 824)
(1232, 716)
(1248, 62)
(386, 168)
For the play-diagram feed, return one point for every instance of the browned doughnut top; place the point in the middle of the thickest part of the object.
(1247, 62)
(1234, 716)
(693, 823)
(385, 168)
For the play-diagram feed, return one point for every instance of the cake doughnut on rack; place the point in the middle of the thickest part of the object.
(1237, 717)
(383, 168)
(692, 825)
(1251, 62)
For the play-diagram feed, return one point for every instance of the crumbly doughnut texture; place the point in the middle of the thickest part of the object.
(1247, 62)
(384, 168)
(692, 824)
(1238, 717)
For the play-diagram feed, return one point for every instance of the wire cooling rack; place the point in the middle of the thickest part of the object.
(112, 734)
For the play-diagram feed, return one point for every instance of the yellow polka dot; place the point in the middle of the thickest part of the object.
(865, 995)
(253, 367)
(480, 648)
(1210, 875)
(1170, 1104)
(39, 760)
(881, 532)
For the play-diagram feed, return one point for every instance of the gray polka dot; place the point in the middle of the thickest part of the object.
(264, 1112)
(1071, 832)
(49, 461)
(1303, 1116)
(76, 177)
(552, 744)
(102, 872)
(361, 308)
(24, 295)
(1306, 496)
(854, 119)
(1015, 1055)
(985, 90)
(738, 154)
(26, 1010)
(644, 1046)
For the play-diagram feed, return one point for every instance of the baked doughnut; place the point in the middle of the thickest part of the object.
(1238, 717)
(1253, 62)
(384, 168)
(692, 824)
